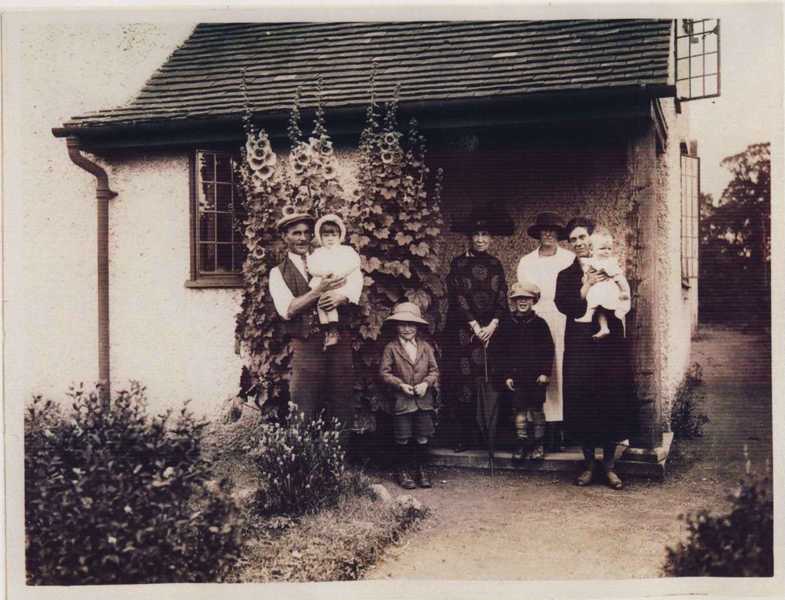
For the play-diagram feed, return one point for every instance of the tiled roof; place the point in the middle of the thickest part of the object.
(433, 61)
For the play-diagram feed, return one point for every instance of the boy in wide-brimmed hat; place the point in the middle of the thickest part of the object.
(525, 354)
(410, 371)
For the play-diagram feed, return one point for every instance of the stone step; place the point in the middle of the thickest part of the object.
(637, 462)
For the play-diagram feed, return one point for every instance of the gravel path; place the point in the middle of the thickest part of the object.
(539, 526)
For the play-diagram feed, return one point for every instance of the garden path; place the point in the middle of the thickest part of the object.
(524, 526)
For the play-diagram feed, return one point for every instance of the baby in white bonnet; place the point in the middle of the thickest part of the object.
(331, 257)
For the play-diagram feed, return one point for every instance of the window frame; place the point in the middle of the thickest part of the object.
(689, 219)
(197, 278)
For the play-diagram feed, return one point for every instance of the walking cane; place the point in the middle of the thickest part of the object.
(489, 421)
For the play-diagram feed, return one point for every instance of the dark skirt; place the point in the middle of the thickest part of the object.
(598, 391)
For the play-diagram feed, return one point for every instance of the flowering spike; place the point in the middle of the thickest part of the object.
(295, 134)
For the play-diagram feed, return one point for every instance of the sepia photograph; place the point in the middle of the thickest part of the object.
(375, 302)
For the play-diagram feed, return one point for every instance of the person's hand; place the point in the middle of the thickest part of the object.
(543, 380)
(420, 389)
(329, 282)
(510, 384)
(593, 276)
(331, 300)
(486, 333)
(407, 389)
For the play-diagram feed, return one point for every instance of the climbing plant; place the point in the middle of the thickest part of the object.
(398, 224)
(304, 181)
(394, 220)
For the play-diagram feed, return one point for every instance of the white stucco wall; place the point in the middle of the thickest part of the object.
(56, 68)
(677, 305)
(178, 341)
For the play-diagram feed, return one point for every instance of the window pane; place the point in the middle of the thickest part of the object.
(239, 256)
(223, 196)
(206, 196)
(224, 257)
(223, 167)
(206, 162)
(207, 227)
(225, 227)
(207, 257)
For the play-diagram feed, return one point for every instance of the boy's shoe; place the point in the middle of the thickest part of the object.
(405, 480)
(537, 453)
(519, 454)
(422, 478)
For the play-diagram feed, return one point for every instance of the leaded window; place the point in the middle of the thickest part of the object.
(690, 193)
(217, 213)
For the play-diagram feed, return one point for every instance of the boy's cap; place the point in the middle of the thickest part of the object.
(524, 289)
(406, 312)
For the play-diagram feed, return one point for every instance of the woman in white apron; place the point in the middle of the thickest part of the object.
(541, 266)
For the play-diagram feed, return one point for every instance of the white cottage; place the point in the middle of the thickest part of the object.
(567, 116)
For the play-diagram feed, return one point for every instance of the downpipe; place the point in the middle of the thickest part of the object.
(102, 194)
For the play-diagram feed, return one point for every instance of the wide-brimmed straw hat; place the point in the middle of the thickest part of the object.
(524, 289)
(291, 217)
(406, 312)
(547, 220)
(491, 218)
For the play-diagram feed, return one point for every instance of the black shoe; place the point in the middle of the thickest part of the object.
(422, 478)
(405, 480)
(519, 453)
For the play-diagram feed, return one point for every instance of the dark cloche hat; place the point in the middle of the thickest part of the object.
(491, 218)
(547, 220)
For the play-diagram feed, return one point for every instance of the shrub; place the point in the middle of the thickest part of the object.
(736, 544)
(686, 420)
(301, 464)
(115, 496)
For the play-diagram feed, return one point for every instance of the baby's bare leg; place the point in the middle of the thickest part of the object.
(602, 319)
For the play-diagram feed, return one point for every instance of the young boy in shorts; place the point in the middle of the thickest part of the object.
(410, 372)
(525, 355)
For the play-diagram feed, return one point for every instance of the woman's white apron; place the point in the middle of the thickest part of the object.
(543, 270)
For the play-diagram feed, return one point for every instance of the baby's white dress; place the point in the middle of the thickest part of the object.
(341, 261)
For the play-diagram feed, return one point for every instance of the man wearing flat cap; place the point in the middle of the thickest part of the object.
(322, 378)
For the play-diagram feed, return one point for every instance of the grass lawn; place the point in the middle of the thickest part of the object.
(337, 543)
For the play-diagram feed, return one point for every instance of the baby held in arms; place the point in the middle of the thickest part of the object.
(332, 257)
(611, 295)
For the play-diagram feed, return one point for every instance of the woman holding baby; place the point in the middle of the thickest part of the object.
(597, 376)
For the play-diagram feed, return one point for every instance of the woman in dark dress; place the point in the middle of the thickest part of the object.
(597, 373)
(477, 292)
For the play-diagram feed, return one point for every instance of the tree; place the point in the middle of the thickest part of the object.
(736, 239)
